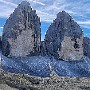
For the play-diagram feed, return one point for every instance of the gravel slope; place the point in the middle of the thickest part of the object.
(40, 66)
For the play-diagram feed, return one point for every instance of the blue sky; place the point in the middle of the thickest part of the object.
(47, 10)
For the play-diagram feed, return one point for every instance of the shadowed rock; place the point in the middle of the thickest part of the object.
(86, 44)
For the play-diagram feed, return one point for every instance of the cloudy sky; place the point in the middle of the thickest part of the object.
(47, 10)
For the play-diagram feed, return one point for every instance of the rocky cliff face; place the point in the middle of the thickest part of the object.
(86, 44)
(64, 38)
(21, 33)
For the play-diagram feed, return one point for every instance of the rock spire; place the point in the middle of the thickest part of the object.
(22, 32)
(64, 38)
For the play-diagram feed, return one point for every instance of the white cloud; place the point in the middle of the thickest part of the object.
(6, 8)
(84, 22)
(45, 16)
(36, 1)
(1, 27)
(8, 3)
(85, 26)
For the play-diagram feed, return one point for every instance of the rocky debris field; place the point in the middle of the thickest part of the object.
(13, 81)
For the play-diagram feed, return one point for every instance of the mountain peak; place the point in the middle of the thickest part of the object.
(25, 3)
(63, 11)
(63, 14)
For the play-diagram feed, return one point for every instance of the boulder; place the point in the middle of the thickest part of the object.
(64, 38)
(22, 32)
(86, 43)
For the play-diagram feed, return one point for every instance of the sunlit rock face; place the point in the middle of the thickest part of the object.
(64, 38)
(86, 46)
(22, 32)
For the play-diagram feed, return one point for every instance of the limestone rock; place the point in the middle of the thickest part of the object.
(22, 32)
(64, 38)
(86, 44)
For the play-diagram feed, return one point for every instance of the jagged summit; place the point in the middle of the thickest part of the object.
(67, 20)
(62, 14)
(64, 22)
(25, 3)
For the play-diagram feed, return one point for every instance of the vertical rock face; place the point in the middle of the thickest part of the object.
(64, 38)
(86, 46)
(0, 42)
(22, 32)
(43, 48)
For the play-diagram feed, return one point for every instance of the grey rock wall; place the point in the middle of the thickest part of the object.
(22, 32)
(86, 44)
(64, 38)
